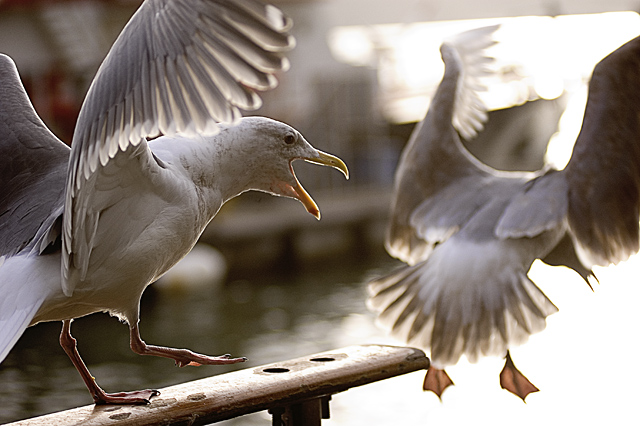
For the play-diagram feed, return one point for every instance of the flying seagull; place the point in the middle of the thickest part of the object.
(87, 229)
(469, 233)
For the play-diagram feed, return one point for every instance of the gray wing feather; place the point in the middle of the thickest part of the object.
(180, 66)
(604, 171)
(470, 112)
(541, 205)
(440, 216)
(33, 165)
(434, 156)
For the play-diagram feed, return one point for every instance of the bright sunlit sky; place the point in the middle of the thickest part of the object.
(536, 56)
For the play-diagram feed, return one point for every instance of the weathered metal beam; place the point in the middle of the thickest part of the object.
(296, 392)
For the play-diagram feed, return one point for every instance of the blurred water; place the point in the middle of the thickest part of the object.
(265, 317)
(584, 362)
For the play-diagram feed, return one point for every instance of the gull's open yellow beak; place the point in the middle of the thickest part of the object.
(323, 159)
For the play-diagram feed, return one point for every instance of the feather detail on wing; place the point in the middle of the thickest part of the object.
(604, 171)
(470, 112)
(177, 67)
(180, 66)
(440, 216)
(541, 205)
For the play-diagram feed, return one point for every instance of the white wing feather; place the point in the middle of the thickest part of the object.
(179, 66)
(470, 112)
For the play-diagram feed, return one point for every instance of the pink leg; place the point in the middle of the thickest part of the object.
(69, 345)
(182, 357)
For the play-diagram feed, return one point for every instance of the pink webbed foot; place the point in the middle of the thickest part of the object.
(436, 381)
(514, 381)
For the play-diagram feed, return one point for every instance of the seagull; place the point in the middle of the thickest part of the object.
(158, 148)
(469, 233)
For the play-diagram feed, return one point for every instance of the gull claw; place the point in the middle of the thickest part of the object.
(134, 397)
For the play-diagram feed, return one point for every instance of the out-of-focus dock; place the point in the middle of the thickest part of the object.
(353, 221)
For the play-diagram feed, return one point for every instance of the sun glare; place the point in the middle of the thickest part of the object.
(537, 57)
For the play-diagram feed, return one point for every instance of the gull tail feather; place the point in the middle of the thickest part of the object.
(452, 319)
(13, 325)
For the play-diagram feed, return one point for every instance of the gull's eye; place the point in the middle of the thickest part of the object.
(289, 139)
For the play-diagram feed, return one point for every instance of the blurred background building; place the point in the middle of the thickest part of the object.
(361, 76)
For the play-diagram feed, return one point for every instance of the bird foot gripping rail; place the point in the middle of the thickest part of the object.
(296, 392)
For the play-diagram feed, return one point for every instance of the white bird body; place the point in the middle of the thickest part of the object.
(470, 233)
(150, 216)
(467, 291)
(87, 229)
(151, 212)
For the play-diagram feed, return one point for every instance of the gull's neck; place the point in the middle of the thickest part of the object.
(220, 167)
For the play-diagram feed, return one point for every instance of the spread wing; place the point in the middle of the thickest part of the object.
(604, 170)
(33, 165)
(179, 66)
(434, 157)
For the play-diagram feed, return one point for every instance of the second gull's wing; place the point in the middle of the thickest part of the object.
(604, 171)
(434, 157)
